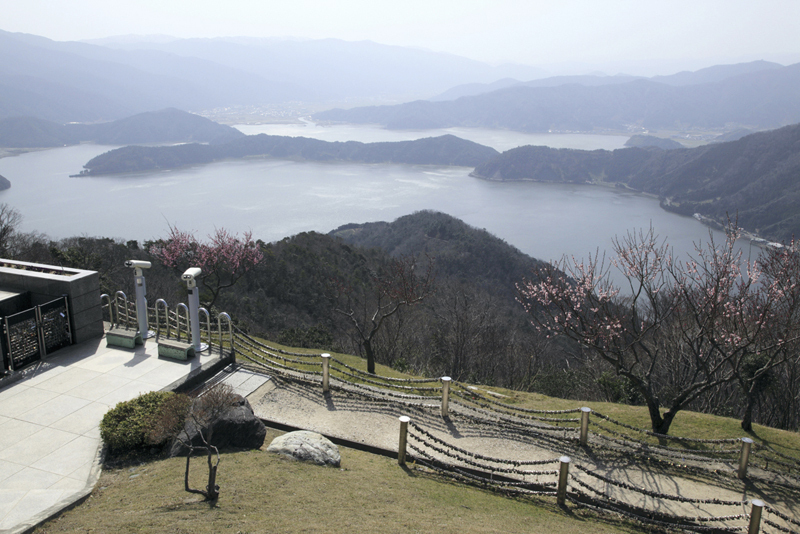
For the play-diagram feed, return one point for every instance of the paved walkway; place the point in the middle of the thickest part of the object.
(49, 422)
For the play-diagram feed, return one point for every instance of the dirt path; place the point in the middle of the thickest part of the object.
(353, 417)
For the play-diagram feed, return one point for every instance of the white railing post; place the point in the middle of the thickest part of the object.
(744, 457)
(755, 516)
(401, 448)
(445, 395)
(585, 425)
(326, 372)
(563, 474)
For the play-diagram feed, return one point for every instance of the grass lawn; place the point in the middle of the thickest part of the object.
(263, 492)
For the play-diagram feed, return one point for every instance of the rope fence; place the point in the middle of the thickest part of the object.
(709, 456)
(436, 454)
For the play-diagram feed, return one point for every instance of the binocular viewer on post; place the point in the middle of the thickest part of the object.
(190, 275)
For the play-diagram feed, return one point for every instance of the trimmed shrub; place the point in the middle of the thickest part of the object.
(126, 426)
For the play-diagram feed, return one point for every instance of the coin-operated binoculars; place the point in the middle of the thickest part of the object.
(189, 277)
(141, 295)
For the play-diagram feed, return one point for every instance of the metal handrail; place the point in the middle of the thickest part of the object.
(178, 319)
(110, 309)
(203, 311)
(158, 322)
(116, 304)
(227, 317)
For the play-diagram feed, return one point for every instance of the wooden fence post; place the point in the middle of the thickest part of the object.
(563, 474)
(326, 372)
(401, 449)
(585, 425)
(755, 516)
(744, 457)
(445, 395)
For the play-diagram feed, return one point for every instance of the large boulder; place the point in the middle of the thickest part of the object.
(307, 447)
(237, 426)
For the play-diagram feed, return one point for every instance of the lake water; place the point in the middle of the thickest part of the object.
(276, 198)
(500, 140)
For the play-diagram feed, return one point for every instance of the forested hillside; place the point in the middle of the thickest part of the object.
(755, 177)
(443, 150)
(313, 289)
(164, 126)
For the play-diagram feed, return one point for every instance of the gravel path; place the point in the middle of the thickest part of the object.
(357, 418)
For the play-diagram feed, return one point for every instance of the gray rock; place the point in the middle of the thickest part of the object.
(307, 447)
(238, 427)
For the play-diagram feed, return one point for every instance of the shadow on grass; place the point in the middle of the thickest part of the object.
(764, 441)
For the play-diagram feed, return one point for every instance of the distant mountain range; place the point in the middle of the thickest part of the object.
(115, 78)
(755, 178)
(713, 74)
(165, 126)
(757, 95)
(443, 150)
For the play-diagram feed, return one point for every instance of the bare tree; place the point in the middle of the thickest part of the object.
(397, 285)
(182, 416)
(10, 219)
(765, 327)
(682, 328)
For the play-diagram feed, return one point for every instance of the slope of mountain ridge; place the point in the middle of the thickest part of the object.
(74, 82)
(56, 80)
(459, 250)
(716, 73)
(755, 178)
(767, 98)
(163, 126)
(442, 150)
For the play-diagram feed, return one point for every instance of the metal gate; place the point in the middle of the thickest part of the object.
(30, 335)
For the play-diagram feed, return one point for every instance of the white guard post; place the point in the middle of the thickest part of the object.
(141, 295)
(189, 277)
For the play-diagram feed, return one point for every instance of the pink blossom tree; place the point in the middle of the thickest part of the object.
(680, 328)
(224, 258)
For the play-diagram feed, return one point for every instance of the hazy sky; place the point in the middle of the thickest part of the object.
(602, 34)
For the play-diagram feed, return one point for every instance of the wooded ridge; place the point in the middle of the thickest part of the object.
(165, 126)
(755, 177)
(442, 150)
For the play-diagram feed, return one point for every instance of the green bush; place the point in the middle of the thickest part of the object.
(125, 427)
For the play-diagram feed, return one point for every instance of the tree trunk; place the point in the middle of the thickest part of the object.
(370, 356)
(666, 421)
(747, 420)
(656, 421)
(660, 423)
(212, 490)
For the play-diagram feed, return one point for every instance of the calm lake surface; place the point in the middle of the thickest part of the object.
(276, 198)
(500, 140)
